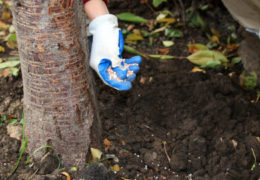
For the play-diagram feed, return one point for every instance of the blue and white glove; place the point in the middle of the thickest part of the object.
(106, 50)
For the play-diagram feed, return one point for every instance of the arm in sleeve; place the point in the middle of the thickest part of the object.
(85, 1)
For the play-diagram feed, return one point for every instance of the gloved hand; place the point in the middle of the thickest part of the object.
(106, 50)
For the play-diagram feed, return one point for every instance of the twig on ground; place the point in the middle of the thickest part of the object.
(165, 150)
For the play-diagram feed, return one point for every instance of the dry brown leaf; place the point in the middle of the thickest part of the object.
(107, 144)
(144, 1)
(11, 44)
(3, 25)
(232, 47)
(196, 69)
(142, 80)
(123, 142)
(6, 71)
(5, 15)
(130, 27)
(163, 51)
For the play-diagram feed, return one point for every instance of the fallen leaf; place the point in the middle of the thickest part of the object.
(161, 29)
(161, 16)
(115, 168)
(258, 139)
(215, 32)
(197, 69)
(144, 1)
(142, 81)
(169, 32)
(129, 17)
(196, 47)
(157, 3)
(107, 144)
(123, 142)
(3, 26)
(135, 36)
(130, 27)
(5, 72)
(8, 64)
(66, 174)
(5, 15)
(166, 20)
(11, 44)
(232, 47)
(96, 154)
(150, 79)
(163, 51)
(204, 56)
(236, 60)
(168, 43)
(234, 143)
(73, 169)
(2, 49)
(215, 39)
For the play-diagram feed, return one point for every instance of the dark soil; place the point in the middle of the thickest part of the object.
(204, 122)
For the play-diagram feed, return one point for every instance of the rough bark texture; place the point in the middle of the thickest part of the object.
(59, 101)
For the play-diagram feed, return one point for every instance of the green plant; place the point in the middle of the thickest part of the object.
(23, 147)
(3, 118)
(40, 148)
(248, 80)
(157, 3)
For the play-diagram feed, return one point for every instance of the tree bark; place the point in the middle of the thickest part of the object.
(59, 100)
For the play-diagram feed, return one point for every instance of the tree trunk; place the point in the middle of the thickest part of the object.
(59, 101)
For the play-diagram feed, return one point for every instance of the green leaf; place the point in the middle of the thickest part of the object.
(8, 64)
(3, 118)
(198, 46)
(236, 60)
(197, 21)
(40, 148)
(11, 37)
(169, 32)
(131, 50)
(22, 121)
(150, 41)
(12, 121)
(74, 169)
(14, 71)
(205, 56)
(157, 56)
(157, 3)
(204, 7)
(212, 64)
(212, 44)
(167, 12)
(129, 17)
(168, 43)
